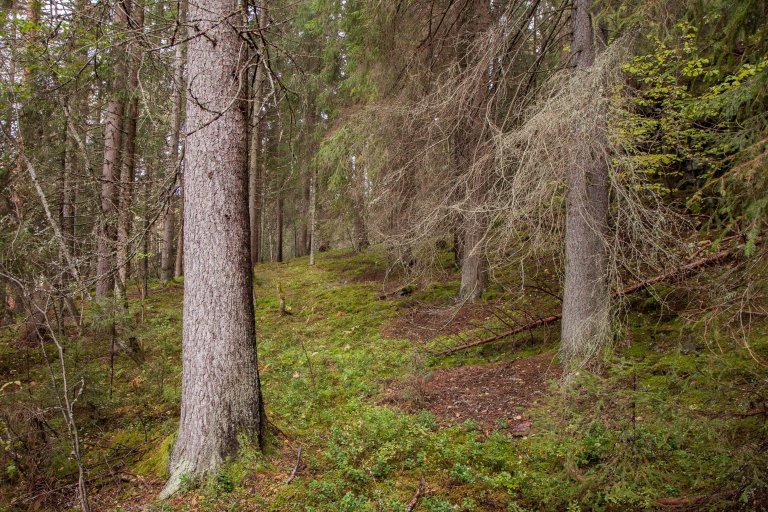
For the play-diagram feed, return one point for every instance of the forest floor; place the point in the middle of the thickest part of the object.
(675, 419)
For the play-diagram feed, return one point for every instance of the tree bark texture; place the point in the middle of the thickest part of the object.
(128, 165)
(167, 260)
(113, 130)
(221, 397)
(474, 264)
(255, 164)
(312, 216)
(586, 294)
(280, 225)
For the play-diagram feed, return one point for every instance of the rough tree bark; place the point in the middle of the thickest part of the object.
(128, 165)
(280, 225)
(474, 264)
(68, 191)
(167, 260)
(113, 131)
(255, 158)
(360, 241)
(178, 270)
(302, 245)
(312, 216)
(221, 397)
(586, 294)
(474, 261)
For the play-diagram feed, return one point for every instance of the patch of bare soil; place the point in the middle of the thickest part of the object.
(424, 322)
(494, 395)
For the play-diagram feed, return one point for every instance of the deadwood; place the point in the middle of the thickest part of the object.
(677, 274)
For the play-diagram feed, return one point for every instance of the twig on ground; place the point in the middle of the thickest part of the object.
(295, 467)
(416, 496)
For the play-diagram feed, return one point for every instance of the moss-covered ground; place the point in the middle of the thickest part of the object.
(673, 418)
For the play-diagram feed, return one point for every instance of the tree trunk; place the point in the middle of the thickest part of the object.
(302, 246)
(113, 130)
(67, 208)
(128, 166)
(178, 269)
(474, 264)
(254, 165)
(167, 260)
(360, 234)
(147, 223)
(280, 222)
(586, 294)
(312, 216)
(220, 396)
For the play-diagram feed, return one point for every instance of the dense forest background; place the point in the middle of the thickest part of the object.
(504, 254)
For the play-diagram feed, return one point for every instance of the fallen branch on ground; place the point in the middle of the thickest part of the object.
(296, 467)
(679, 273)
(694, 501)
(415, 500)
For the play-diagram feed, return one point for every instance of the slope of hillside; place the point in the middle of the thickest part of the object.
(350, 382)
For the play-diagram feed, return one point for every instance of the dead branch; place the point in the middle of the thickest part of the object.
(682, 272)
(415, 500)
(527, 327)
(674, 275)
(295, 467)
(694, 500)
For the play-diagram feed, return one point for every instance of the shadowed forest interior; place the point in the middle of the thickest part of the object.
(383, 255)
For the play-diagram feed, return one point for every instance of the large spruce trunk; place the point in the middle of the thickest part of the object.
(586, 295)
(221, 398)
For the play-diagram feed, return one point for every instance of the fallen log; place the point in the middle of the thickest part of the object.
(679, 273)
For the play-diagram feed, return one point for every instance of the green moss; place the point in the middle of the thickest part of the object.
(656, 421)
(154, 463)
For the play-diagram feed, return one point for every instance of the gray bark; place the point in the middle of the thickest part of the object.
(128, 165)
(255, 164)
(113, 129)
(312, 216)
(474, 264)
(178, 270)
(586, 295)
(167, 260)
(221, 397)
(280, 225)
